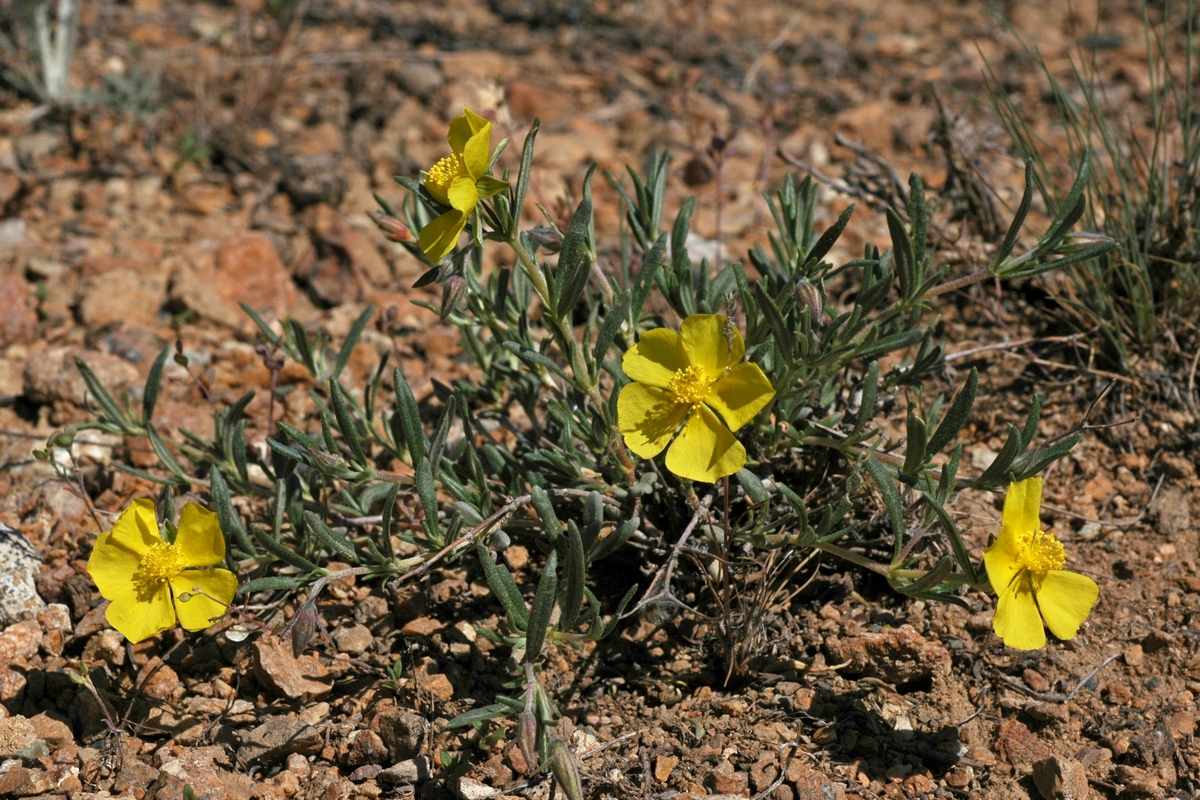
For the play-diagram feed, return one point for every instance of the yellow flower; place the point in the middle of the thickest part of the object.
(1024, 565)
(681, 379)
(141, 574)
(460, 181)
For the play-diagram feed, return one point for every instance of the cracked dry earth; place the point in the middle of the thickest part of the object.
(127, 225)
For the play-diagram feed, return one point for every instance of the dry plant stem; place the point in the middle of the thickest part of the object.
(422, 563)
(660, 586)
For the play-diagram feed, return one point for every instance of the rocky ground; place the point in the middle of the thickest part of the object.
(228, 152)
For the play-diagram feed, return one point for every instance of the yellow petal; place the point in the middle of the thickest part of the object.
(137, 527)
(1000, 560)
(117, 553)
(705, 450)
(710, 343)
(656, 357)
(476, 153)
(440, 236)
(1017, 620)
(462, 194)
(740, 394)
(1065, 600)
(648, 418)
(142, 618)
(1021, 508)
(464, 127)
(199, 542)
(198, 611)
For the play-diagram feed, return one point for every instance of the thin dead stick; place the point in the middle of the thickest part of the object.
(661, 585)
(776, 43)
(1007, 345)
(1055, 697)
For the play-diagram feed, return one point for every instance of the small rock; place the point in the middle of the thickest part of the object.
(1048, 712)
(298, 764)
(898, 656)
(19, 563)
(52, 376)
(24, 782)
(440, 687)
(19, 642)
(1017, 745)
(413, 770)
(471, 789)
(276, 667)
(366, 748)
(401, 731)
(159, 681)
(19, 739)
(1058, 778)
(18, 319)
(419, 79)
(353, 640)
(277, 738)
(422, 626)
(1134, 656)
(367, 772)
(808, 782)
(56, 732)
(664, 765)
(725, 780)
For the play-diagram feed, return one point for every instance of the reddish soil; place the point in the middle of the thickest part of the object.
(224, 153)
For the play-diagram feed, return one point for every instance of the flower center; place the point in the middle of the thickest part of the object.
(1040, 552)
(443, 173)
(690, 385)
(158, 564)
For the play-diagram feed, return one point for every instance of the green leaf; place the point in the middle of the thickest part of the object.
(336, 543)
(830, 237)
(272, 583)
(613, 542)
(575, 257)
(477, 716)
(1014, 230)
(230, 521)
(866, 405)
(956, 417)
(153, 383)
(785, 339)
(1072, 208)
(164, 455)
(345, 423)
(572, 599)
(961, 554)
(644, 281)
(112, 412)
(523, 176)
(543, 609)
(610, 328)
(914, 453)
(902, 255)
(545, 510)
(409, 417)
(272, 338)
(752, 485)
(351, 340)
(891, 500)
(285, 554)
(385, 533)
(534, 358)
(438, 443)
(994, 474)
(505, 588)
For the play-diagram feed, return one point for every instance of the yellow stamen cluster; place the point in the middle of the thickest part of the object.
(159, 563)
(1040, 552)
(443, 173)
(690, 385)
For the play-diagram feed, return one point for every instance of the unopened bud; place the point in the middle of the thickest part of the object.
(63, 439)
(303, 628)
(393, 229)
(453, 290)
(1079, 242)
(546, 238)
(810, 296)
(565, 769)
(527, 738)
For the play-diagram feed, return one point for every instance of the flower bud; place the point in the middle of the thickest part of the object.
(565, 769)
(393, 229)
(810, 296)
(527, 738)
(546, 238)
(453, 291)
(1079, 242)
(303, 627)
